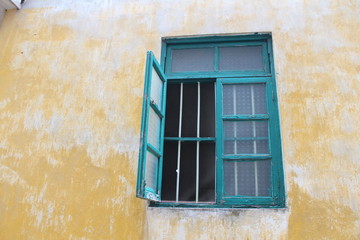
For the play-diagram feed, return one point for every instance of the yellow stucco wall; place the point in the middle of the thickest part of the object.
(71, 82)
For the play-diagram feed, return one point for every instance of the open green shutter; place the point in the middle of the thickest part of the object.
(152, 131)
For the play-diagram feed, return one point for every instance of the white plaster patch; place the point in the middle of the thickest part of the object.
(346, 150)
(53, 162)
(34, 121)
(128, 187)
(123, 191)
(137, 92)
(33, 117)
(23, 55)
(11, 155)
(39, 217)
(348, 125)
(4, 103)
(11, 177)
(55, 122)
(326, 184)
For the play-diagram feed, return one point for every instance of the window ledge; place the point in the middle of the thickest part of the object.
(173, 205)
(220, 209)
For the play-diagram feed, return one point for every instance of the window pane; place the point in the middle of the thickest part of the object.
(245, 137)
(241, 58)
(156, 89)
(151, 170)
(245, 129)
(154, 129)
(264, 176)
(262, 146)
(247, 178)
(259, 98)
(244, 99)
(196, 59)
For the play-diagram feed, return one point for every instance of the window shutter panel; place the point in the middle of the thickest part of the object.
(152, 131)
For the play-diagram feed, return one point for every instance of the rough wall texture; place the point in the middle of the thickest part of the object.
(71, 81)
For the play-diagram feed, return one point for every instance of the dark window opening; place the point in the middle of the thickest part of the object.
(189, 174)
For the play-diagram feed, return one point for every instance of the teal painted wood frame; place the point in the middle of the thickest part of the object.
(142, 190)
(216, 72)
(277, 198)
(212, 39)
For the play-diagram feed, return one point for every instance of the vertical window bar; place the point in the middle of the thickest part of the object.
(254, 135)
(235, 142)
(179, 144)
(197, 143)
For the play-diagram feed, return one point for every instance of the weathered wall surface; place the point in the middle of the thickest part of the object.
(71, 81)
(2, 13)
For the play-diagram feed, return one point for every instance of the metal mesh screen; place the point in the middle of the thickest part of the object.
(195, 59)
(156, 89)
(154, 129)
(151, 170)
(247, 178)
(240, 58)
(244, 99)
(242, 137)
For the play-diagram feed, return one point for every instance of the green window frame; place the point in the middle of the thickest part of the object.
(151, 157)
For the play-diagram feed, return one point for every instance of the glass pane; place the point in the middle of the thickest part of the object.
(259, 98)
(264, 176)
(151, 171)
(156, 88)
(244, 99)
(239, 178)
(261, 128)
(245, 129)
(154, 129)
(262, 146)
(195, 59)
(244, 147)
(247, 178)
(241, 58)
(229, 147)
(245, 137)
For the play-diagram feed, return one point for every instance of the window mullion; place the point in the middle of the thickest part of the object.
(235, 142)
(249, 157)
(243, 117)
(197, 143)
(254, 142)
(179, 145)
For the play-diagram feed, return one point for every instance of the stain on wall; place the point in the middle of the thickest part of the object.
(71, 82)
